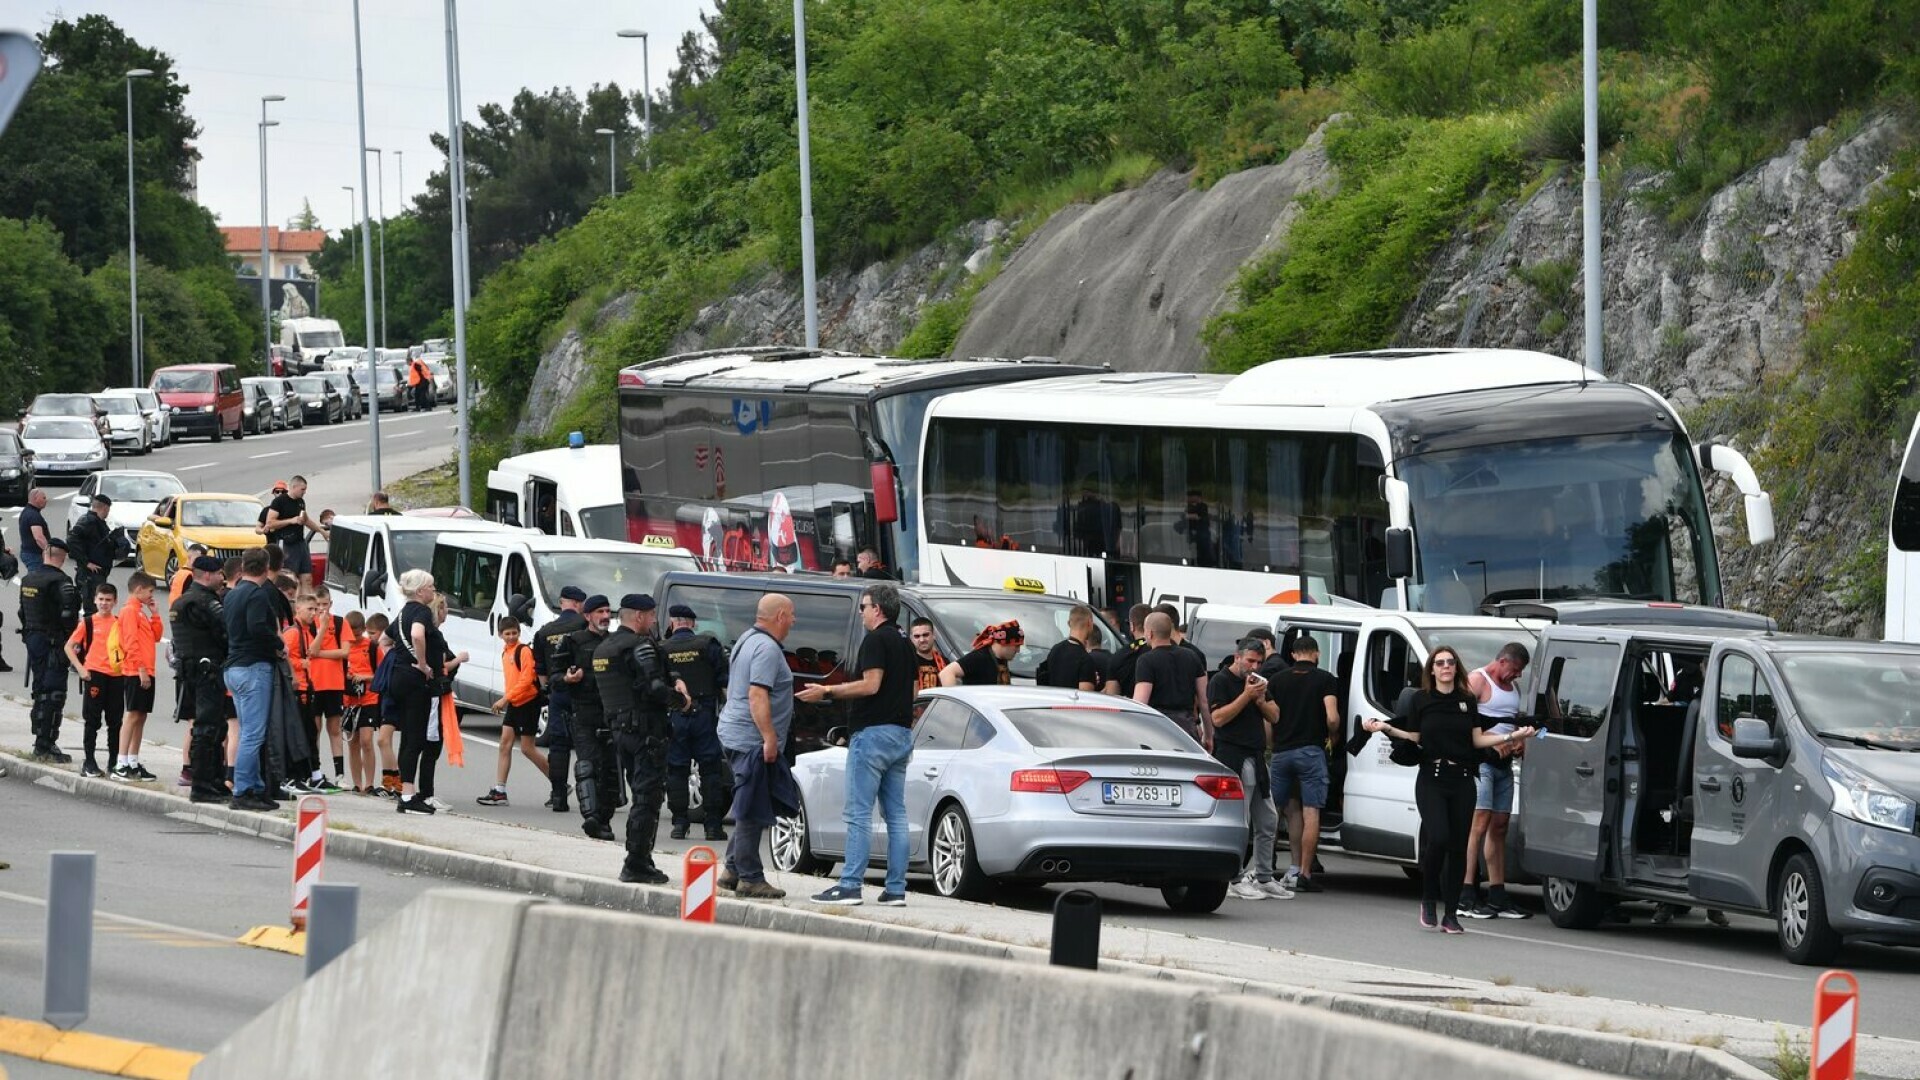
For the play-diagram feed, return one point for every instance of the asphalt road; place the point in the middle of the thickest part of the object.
(169, 900)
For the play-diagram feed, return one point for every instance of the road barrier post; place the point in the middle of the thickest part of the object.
(309, 852)
(330, 931)
(697, 884)
(69, 964)
(1076, 931)
(1836, 1020)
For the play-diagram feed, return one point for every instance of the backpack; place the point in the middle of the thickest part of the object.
(383, 674)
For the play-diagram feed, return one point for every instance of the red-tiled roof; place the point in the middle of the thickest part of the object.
(244, 238)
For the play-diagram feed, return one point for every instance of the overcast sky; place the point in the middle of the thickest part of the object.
(231, 52)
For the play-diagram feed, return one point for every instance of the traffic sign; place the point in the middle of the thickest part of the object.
(698, 884)
(1836, 1020)
(309, 852)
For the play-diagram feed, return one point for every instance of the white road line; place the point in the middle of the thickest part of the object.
(331, 445)
(276, 453)
(129, 920)
(402, 434)
(1644, 956)
(202, 465)
(478, 739)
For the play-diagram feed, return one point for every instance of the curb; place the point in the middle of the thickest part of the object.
(87, 1052)
(1600, 1051)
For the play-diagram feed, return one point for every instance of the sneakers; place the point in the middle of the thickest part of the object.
(186, 778)
(1426, 916)
(496, 797)
(254, 801)
(728, 881)
(1451, 925)
(1508, 911)
(838, 895)
(1481, 910)
(120, 773)
(646, 875)
(290, 789)
(758, 890)
(414, 805)
(679, 831)
(1305, 883)
(140, 773)
(324, 786)
(1245, 889)
(1274, 889)
(892, 899)
(438, 803)
(89, 770)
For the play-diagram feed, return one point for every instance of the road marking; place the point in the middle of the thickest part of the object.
(402, 434)
(1656, 959)
(481, 741)
(276, 453)
(202, 465)
(128, 920)
(331, 445)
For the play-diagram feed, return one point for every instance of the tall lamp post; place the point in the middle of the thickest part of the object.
(646, 99)
(612, 148)
(133, 266)
(400, 179)
(380, 163)
(352, 259)
(266, 285)
(366, 240)
(462, 275)
(807, 281)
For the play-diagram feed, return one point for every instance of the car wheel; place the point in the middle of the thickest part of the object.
(792, 850)
(240, 430)
(1195, 897)
(173, 563)
(956, 863)
(1800, 905)
(220, 432)
(1573, 905)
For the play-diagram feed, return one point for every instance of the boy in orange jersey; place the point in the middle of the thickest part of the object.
(300, 637)
(140, 629)
(362, 716)
(521, 706)
(328, 644)
(90, 651)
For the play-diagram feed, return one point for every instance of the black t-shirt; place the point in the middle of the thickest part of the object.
(1188, 645)
(1249, 729)
(1100, 667)
(981, 668)
(287, 508)
(30, 517)
(1301, 692)
(1172, 671)
(1069, 665)
(1446, 723)
(889, 650)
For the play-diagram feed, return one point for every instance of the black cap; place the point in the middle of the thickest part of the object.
(207, 564)
(596, 602)
(574, 593)
(636, 601)
(682, 611)
(54, 543)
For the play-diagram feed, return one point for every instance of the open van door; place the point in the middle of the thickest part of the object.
(1569, 802)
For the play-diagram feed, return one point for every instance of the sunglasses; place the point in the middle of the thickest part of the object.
(1446, 662)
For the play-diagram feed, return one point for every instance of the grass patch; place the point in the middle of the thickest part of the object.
(1032, 204)
(1502, 980)
(1790, 1058)
(437, 486)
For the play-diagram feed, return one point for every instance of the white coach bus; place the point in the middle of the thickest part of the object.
(1903, 547)
(1439, 480)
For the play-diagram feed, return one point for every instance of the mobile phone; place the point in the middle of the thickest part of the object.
(1256, 678)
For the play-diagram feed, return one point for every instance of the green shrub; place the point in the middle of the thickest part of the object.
(1559, 128)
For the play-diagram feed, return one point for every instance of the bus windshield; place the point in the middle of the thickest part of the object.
(1592, 515)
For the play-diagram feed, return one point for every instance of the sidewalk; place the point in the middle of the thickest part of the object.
(1620, 1037)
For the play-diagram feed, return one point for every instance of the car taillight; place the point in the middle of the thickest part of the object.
(1221, 787)
(1059, 781)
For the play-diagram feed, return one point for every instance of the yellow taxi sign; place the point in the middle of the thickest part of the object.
(1025, 584)
(655, 540)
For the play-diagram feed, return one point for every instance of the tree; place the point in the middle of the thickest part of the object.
(54, 323)
(306, 218)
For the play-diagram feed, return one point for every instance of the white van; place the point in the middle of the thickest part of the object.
(367, 554)
(311, 340)
(571, 491)
(489, 574)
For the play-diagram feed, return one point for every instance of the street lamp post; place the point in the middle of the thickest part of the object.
(380, 164)
(807, 282)
(646, 99)
(400, 179)
(266, 285)
(462, 280)
(366, 241)
(612, 148)
(133, 266)
(352, 258)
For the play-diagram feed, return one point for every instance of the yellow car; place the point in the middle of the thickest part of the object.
(224, 523)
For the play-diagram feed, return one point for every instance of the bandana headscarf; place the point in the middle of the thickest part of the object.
(1000, 634)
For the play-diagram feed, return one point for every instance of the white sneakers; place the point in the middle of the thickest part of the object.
(1246, 888)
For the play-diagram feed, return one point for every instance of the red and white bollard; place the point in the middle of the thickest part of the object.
(309, 852)
(1836, 1020)
(699, 883)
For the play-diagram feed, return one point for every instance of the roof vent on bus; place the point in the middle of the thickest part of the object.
(1146, 376)
(1039, 359)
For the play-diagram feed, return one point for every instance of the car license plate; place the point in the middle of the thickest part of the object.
(1140, 794)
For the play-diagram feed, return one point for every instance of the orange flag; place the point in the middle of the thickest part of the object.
(450, 732)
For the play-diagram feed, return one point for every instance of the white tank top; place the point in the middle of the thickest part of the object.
(1501, 705)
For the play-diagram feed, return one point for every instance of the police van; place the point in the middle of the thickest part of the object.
(571, 491)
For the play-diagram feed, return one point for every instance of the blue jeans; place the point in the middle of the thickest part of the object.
(877, 767)
(743, 850)
(252, 689)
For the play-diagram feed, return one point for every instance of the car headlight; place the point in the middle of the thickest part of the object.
(1864, 799)
(173, 409)
(206, 408)
(9, 474)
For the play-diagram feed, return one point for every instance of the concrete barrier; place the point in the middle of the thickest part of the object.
(477, 986)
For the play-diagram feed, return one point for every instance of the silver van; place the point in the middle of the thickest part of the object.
(1748, 771)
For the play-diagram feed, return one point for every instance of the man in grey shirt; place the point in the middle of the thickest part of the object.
(753, 730)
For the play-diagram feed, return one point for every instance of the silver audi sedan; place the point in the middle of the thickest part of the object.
(1031, 784)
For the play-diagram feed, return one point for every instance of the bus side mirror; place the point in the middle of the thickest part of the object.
(1721, 458)
(1399, 553)
(886, 502)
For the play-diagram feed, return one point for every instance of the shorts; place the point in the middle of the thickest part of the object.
(139, 698)
(356, 717)
(1305, 766)
(327, 702)
(1493, 789)
(523, 719)
(1235, 757)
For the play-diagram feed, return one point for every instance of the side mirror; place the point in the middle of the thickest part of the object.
(1399, 553)
(1752, 740)
(520, 606)
(374, 582)
(162, 523)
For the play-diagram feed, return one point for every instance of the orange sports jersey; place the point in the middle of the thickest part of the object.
(516, 663)
(178, 585)
(296, 636)
(140, 635)
(361, 664)
(97, 657)
(324, 673)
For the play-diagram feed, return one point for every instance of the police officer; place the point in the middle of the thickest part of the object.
(548, 643)
(631, 667)
(200, 644)
(595, 776)
(49, 611)
(700, 664)
(90, 543)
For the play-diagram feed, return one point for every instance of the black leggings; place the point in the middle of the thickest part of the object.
(406, 708)
(1446, 817)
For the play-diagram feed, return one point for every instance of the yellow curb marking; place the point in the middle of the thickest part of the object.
(277, 938)
(93, 1053)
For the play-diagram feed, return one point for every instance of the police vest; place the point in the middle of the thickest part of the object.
(199, 625)
(578, 651)
(613, 671)
(691, 658)
(549, 643)
(46, 602)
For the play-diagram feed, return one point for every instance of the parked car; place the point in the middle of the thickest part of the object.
(260, 413)
(444, 390)
(136, 495)
(16, 469)
(126, 425)
(81, 405)
(224, 523)
(353, 401)
(203, 399)
(1037, 785)
(391, 388)
(320, 400)
(64, 445)
(282, 413)
(159, 419)
(280, 360)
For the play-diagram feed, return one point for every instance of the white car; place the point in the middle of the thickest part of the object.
(64, 445)
(127, 426)
(135, 494)
(159, 418)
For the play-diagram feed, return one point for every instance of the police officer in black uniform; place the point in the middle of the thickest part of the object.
(700, 664)
(631, 667)
(48, 614)
(595, 775)
(548, 644)
(90, 544)
(200, 645)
